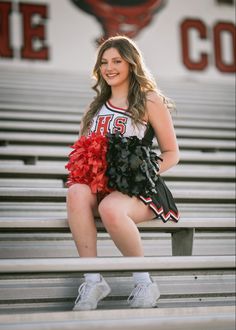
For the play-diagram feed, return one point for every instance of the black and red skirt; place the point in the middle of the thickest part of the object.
(126, 164)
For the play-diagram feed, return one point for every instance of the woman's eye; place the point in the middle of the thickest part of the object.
(114, 62)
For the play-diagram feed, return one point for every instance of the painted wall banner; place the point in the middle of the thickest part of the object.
(184, 38)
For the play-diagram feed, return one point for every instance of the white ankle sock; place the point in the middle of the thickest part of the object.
(92, 277)
(141, 277)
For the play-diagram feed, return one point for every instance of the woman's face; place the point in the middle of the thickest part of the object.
(114, 69)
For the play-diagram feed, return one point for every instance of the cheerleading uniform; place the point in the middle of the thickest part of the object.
(111, 119)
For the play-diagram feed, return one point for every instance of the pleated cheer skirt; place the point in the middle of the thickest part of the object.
(116, 163)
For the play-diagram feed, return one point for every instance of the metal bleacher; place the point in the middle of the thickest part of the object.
(40, 270)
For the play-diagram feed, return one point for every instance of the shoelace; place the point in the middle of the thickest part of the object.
(83, 291)
(138, 291)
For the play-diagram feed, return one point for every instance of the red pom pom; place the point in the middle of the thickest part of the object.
(87, 163)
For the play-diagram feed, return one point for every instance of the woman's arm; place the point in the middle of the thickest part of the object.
(160, 119)
(81, 123)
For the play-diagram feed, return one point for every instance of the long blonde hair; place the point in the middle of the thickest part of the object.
(140, 83)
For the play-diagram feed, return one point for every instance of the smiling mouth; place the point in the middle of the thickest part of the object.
(109, 76)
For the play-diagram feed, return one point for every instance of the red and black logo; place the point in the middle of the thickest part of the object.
(121, 17)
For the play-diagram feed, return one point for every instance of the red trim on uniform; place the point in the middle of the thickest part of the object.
(160, 211)
(154, 207)
(146, 200)
(124, 111)
(117, 108)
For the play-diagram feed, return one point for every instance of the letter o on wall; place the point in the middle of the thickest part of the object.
(218, 29)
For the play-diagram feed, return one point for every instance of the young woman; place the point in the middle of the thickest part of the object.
(127, 102)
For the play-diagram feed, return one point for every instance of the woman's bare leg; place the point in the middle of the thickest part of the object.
(120, 214)
(81, 207)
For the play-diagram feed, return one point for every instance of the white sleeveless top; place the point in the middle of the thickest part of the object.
(111, 119)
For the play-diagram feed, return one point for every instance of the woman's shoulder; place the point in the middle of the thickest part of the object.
(156, 108)
(154, 97)
(154, 103)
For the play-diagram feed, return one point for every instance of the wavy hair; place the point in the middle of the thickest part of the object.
(140, 82)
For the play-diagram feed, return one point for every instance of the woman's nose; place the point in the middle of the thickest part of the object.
(109, 66)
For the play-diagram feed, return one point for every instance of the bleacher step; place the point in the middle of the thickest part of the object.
(183, 127)
(69, 139)
(38, 244)
(114, 264)
(62, 152)
(183, 194)
(56, 169)
(198, 222)
(197, 318)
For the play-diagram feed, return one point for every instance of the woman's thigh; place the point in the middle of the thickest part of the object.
(131, 206)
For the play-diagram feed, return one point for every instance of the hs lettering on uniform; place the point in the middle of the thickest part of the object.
(103, 124)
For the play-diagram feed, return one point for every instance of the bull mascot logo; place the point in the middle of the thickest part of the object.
(121, 17)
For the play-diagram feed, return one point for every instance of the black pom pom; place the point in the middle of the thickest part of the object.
(132, 166)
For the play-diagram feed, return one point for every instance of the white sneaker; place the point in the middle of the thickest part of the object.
(90, 293)
(144, 295)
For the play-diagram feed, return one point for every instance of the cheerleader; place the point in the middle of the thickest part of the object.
(116, 133)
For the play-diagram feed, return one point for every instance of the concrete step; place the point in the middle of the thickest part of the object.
(225, 133)
(43, 108)
(183, 194)
(36, 182)
(63, 151)
(69, 139)
(48, 265)
(184, 281)
(173, 284)
(49, 244)
(33, 112)
(29, 86)
(68, 123)
(189, 209)
(188, 110)
(82, 82)
(23, 220)
(56, 169)
(209, 318)
(49, 155)
(53, 214)
(37, 93)
(54, 146)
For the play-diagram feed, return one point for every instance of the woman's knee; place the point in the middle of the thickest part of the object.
(110, 212)
(79, 194)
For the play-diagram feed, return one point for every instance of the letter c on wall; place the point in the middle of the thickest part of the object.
(185, 27)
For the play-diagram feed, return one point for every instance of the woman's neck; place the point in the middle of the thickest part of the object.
(120, 102)
(119, 97)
